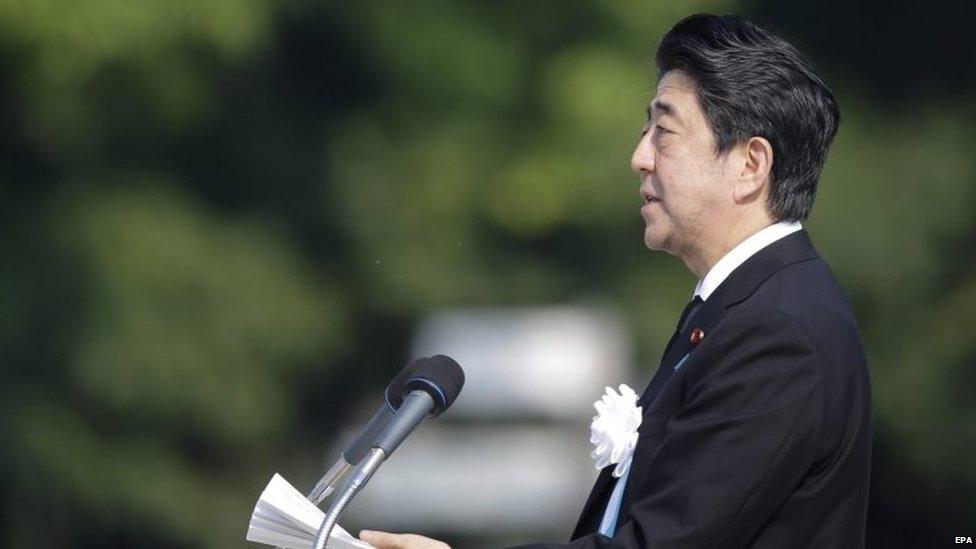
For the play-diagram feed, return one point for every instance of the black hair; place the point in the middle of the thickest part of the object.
(752, 83)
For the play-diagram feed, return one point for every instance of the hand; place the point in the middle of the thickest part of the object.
(386, 540)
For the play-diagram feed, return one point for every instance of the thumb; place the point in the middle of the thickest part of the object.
(382, 540)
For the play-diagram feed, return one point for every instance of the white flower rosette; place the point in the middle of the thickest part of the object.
(613, 431)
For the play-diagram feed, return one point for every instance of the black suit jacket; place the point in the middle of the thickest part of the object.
(762, 436)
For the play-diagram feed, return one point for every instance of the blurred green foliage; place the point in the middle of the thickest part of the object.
(215, 211)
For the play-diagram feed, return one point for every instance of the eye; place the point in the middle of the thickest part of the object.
(662, 129)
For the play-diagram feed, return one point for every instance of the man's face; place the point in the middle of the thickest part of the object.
(682, 180)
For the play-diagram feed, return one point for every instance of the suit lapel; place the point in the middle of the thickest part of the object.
(595, 504)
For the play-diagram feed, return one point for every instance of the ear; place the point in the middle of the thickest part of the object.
(756, 170)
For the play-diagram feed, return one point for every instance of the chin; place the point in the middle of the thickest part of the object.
(652, 241)
(656, 241)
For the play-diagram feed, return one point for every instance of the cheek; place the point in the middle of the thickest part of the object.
(679, 177)
(692, 193)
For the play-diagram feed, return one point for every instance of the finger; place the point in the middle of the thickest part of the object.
(383, 540)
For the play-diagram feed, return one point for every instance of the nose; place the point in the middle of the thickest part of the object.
(642, 160)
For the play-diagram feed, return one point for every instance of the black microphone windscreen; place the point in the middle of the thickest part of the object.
(440, 376)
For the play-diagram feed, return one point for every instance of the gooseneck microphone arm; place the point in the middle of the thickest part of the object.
(359, 478)
(413, 410)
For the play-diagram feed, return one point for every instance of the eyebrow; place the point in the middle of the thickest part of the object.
(665, 108)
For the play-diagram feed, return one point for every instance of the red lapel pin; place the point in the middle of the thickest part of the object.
(696, 336)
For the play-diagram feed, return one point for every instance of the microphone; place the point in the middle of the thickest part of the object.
(428, 391)
(360, 446)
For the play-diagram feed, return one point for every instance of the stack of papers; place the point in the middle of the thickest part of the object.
(284, 518)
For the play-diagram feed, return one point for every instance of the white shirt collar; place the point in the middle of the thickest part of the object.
(740, 253)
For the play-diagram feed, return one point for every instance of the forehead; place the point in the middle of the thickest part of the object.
(676, 97)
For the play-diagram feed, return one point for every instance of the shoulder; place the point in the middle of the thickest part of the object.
(808, 297)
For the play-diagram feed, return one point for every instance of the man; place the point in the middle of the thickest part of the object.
(756, 428)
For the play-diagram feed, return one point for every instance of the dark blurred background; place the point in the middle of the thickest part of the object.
(224, 221)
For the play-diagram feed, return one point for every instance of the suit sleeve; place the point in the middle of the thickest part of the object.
(741, 441)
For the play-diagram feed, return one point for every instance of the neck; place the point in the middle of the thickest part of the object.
(707, 251)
